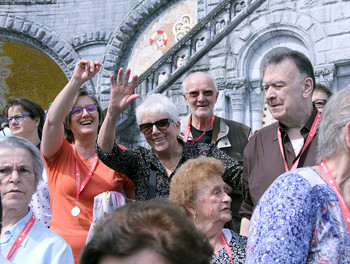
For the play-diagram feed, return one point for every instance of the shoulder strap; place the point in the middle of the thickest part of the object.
(152, 183)
(216, 129)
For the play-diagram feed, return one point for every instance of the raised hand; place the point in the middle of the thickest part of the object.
(122, 91)
(84, 70)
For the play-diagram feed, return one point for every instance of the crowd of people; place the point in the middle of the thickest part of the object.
(203, 191)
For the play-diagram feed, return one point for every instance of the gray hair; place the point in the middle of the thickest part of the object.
(157, 104)
(19, 142)
(331, 130)
(184, 83)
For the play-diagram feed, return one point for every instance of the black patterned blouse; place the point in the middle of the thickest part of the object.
(136, 163)
(237, 245)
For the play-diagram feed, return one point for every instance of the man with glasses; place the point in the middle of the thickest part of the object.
(201, 125)
(320, 96)
(288, 81)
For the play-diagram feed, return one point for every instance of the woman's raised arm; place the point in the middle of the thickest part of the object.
(53, 130)
(121, 96)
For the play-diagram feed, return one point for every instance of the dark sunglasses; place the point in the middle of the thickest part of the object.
(320, 102)
(78, 111)
(195, 94)
(161, 125)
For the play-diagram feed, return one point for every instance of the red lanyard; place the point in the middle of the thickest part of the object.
(331, 182)
(309, 138)
(188, 130)
(21, 236)
(81, 186)
(227, 247)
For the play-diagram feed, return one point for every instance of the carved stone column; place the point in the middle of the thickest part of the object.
(237, 92)
(256, 104)
(325, 74)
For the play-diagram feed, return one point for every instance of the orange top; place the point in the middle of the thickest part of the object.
(62, 186)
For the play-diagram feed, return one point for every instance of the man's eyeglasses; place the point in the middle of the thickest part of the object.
(320, 102)
(195, 94)
(162, 125)
(17, 118)
(78, 111)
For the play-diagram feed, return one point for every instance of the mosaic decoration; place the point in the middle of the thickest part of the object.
(26, 71)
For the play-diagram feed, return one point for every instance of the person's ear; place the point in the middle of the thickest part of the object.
(37, 121)
(308, 87)
(217, 96)
(191, 210)
(184, 95)
(347, 135)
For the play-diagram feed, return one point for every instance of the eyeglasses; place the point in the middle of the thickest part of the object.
(17, 118)
(161, 125)
(6, 172)
(195, 94)
(320, 102)
(78, 111)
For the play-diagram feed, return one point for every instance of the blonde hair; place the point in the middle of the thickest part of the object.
(187, 179)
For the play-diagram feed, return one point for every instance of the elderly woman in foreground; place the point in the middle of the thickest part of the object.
(152, 169)
(198, 187)
(304, 215)
(154, 231)
(23, 238)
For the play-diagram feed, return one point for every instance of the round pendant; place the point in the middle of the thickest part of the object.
(75, 211)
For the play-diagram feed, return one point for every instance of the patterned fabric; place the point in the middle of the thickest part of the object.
(298, 220)
(237, 244)
(40, 203)
(136, 164)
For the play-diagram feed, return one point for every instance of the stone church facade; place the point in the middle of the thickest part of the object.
(227, 39)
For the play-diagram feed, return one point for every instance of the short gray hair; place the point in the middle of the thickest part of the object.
(157, 104)
(19, 142)
(331, 130)
(184, 83)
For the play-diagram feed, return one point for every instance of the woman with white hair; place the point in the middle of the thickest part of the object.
(157, 117)
(304, 215)
(23, 238)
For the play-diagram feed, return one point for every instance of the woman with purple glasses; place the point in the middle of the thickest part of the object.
(151, 169)
(75, 174)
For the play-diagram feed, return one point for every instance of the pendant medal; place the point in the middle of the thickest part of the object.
(75, 211)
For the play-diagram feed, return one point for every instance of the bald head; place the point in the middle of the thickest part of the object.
(195, 77)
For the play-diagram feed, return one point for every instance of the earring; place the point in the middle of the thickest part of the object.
(194, 217)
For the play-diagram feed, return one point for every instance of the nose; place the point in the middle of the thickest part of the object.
(201, 97)
(155, 129)
(85, 112)
(15, 176)
(227, 198)
(270, 94)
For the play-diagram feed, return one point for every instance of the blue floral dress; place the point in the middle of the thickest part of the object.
(298, 220)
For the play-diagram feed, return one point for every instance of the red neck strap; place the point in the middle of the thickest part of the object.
(331, 182)
(21, 236)
(227, 247)
(80, 186)
(188, 130)
(309, 138)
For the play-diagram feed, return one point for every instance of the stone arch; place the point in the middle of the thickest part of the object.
(124, 37)
(40, 37)
(90, 38)
(288, 29)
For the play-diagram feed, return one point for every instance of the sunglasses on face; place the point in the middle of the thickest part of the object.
(320, 102)
(161, 125)
(195, 94)
(78, 111)
(17, 118)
